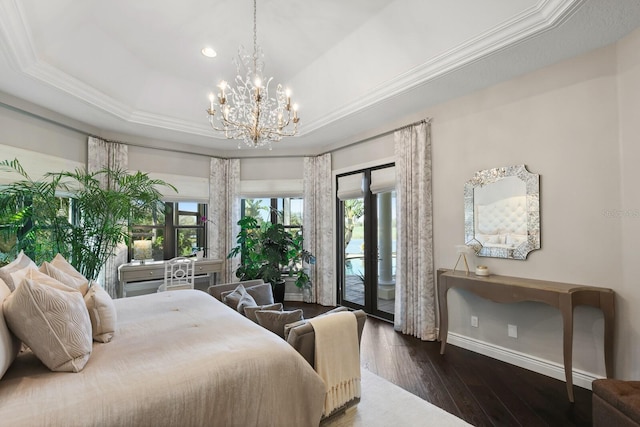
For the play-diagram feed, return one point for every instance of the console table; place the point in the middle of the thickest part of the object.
(563, 296)
(154, 270)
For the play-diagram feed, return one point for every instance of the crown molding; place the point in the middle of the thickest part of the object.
(23, 57)
(544, 16)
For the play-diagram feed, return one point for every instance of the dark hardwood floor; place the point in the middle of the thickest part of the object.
(481, 390)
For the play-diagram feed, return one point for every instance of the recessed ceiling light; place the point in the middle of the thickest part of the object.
(209, 52)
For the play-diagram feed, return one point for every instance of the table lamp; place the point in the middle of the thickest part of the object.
(463, 250)
(142, 250)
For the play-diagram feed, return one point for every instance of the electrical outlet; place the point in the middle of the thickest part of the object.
(474, 321)
(512, 331)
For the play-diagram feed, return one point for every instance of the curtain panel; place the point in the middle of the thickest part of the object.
(415, 306)
(113, 155)
(318, 227)
(224, 213)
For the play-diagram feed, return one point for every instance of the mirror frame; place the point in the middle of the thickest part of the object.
(488, 176)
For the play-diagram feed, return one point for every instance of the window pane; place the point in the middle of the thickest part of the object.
(257, 208)
(188, 213)
(155, 218)
(386, 251)
(293, 208)
(188, 240)
(146, 233)
(354, 272)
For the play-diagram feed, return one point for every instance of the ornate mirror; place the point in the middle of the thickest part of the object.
(502, 212)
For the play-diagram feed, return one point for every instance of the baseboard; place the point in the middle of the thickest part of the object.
(293, 296)
(545, 367)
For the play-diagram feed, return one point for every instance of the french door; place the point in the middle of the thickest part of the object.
(366, 240)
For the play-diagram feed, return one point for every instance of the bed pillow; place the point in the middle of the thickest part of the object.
(102, 312)
(13, 272)
(250, 312)
(275, 320)
(61, 263)
(76, 282)
(9, 343)
(52, 319)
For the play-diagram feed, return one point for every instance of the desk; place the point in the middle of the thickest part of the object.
(563, 296)
(154, 270)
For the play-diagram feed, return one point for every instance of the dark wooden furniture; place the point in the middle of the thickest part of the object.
(563, 296)
(616, 403)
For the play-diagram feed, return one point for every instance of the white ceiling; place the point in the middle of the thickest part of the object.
(356, 66)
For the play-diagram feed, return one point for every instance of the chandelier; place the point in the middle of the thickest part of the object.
(247, 112)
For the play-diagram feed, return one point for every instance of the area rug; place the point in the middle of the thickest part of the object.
(385, 404)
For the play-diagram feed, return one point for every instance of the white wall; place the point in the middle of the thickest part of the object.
(562, 122)
(628, 216)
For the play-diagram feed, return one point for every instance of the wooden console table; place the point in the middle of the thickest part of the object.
(154, 270)
(563, 296)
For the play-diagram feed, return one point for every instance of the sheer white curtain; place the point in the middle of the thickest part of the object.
(415, 307)
(318, 226)
(224, 213)
(103, 154)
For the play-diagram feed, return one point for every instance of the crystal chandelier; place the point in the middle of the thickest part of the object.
(247, 112)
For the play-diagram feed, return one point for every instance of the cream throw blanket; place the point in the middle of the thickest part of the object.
(337, 357)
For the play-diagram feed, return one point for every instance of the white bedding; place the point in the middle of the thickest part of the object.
(178, 358)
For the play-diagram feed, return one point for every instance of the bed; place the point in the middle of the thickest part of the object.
(178, 358)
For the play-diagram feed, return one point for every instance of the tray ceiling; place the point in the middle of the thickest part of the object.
(356, 66)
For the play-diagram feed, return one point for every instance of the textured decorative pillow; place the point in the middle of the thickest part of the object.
(275, 320)
(76, 282)
(52, 319)
(102, 312)
(62, 264)
(12, 273)
(238, 299)
(245, 301)
(250, 312)
(9, 343)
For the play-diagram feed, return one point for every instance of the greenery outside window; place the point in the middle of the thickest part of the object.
(40, 239)
(180, 230)
(287, 211)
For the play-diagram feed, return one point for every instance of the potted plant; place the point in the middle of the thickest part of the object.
(40, 221)
(269, 252)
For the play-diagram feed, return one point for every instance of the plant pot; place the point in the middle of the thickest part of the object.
(278, 292)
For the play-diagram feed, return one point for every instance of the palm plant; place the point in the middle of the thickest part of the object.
(30, 210)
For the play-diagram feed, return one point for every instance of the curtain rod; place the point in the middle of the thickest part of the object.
(385, 133)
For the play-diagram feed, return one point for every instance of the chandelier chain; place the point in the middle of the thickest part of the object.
(255, 38)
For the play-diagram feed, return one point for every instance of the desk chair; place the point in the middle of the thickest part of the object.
(178, 274)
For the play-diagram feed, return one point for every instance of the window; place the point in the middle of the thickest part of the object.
(277, 210)
(180, 231)
(19, 227)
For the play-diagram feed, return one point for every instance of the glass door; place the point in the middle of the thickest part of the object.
(366, 256)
